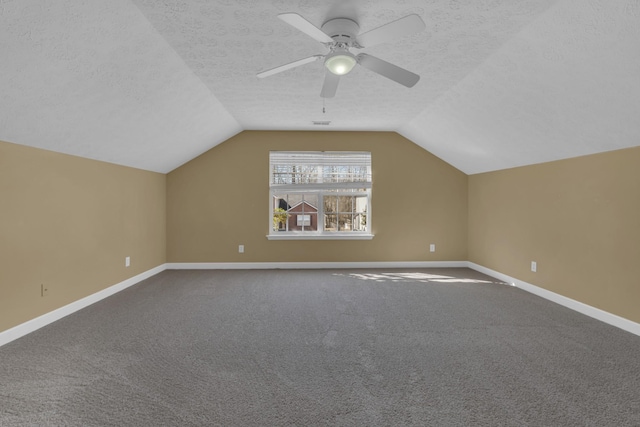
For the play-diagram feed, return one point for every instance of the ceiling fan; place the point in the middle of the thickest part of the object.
(340, 35)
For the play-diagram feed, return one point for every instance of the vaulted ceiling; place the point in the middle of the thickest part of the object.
(153, 83)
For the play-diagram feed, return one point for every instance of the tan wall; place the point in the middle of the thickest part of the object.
(579, 219)
(221, 199)
(69, 223)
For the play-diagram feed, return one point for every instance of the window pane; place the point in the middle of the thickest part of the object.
(331, 222)
(330, 204)
(305, 222)
(302, 220)
(281, 174)
(360, 204)
(280, 207)
(336, 173)
(346, 190)
(294, 174)
(313, 222)
(345, 203)
(360, 222)
(280, 201)
(345, 222)
(294, 199)
(312, 201)
(303, 216)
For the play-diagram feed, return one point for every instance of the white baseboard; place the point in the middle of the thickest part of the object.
(596, 313)
(310, 265)
(40, 321)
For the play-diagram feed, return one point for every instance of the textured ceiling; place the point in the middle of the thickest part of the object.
(153, 83)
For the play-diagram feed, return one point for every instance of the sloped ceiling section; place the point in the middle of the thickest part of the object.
(566, 85)
(153, 83)
(94, 79)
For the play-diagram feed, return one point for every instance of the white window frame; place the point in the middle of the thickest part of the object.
(321, 190)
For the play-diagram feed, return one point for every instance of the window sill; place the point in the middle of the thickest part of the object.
(300, 236)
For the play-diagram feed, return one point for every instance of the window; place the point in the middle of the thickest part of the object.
(321, 195)
(304, 221)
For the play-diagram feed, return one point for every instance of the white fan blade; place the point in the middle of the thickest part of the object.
(305, 26)
(404, 26)
(330, 85)
(388, 70)
(288, 66)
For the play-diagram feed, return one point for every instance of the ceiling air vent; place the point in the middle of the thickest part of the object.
(321, 122)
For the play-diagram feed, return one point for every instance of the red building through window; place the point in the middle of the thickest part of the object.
(303, 216)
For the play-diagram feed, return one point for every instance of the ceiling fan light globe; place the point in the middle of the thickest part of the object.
(340, 64)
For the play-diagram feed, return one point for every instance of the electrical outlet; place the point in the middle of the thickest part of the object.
(240, 249)
(534, 266)
(432, 247)
(127, 261)
(44, 290)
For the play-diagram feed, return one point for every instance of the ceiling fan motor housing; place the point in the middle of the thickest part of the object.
(342, 30)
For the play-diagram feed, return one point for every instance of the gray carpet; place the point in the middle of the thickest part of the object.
(437, 347)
